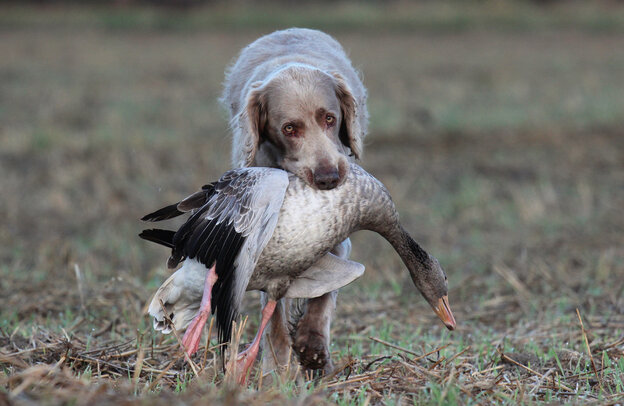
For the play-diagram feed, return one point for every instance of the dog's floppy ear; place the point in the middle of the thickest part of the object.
(350, 130)
(250, 124)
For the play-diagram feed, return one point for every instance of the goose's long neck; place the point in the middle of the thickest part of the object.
(426, 273)
(415, 258)
(379, 214)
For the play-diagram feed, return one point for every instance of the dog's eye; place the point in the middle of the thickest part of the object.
(330, 120)
(288, 129)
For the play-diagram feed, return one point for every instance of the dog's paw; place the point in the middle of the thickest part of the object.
(311, 350)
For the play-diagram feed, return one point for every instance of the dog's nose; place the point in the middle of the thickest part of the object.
(326, 179)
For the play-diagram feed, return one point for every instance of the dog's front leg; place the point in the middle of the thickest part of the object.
(311, 338)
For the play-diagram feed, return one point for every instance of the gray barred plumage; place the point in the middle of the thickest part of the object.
(288, 230)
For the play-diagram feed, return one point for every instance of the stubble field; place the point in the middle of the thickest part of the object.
(499, 135)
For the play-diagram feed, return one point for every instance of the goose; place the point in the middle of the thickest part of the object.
(265, 229)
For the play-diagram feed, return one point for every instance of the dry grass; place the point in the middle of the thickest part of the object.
(504, 151)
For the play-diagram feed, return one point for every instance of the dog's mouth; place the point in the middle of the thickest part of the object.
(324, 177)
(308, 176)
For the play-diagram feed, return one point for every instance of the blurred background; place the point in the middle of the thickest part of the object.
(498, 127)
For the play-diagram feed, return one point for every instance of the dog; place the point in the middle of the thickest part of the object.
(297, 103)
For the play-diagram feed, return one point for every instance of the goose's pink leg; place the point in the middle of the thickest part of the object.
(246, 358)
(194, 331)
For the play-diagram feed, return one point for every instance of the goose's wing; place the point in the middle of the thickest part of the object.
(327, 274)
(232, 222)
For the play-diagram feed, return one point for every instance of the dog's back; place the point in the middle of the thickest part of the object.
(258, 60)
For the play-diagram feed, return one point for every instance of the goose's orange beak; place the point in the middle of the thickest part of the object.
(443, 310)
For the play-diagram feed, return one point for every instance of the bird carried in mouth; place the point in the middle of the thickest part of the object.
(265, 229)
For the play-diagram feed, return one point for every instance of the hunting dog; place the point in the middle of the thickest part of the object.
(296, 103)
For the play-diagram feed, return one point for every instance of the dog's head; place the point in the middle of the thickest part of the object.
(308, 118)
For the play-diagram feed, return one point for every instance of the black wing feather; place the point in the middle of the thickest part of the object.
(194, 201)
(197, 199)
(227, 312)
(162, 237)
(209, 241)
(165, 213)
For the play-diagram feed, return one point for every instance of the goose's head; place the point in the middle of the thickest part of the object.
(432, 283)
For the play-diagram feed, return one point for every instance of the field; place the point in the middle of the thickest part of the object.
(497, 127)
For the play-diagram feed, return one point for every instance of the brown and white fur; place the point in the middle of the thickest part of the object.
(296, 103)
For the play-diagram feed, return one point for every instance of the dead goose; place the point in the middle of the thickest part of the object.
(264, 229)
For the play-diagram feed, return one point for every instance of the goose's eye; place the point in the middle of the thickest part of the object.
(330, 120)
(288, 130)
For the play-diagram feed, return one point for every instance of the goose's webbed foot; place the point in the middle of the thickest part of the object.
(193, 333)
(245, 359)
